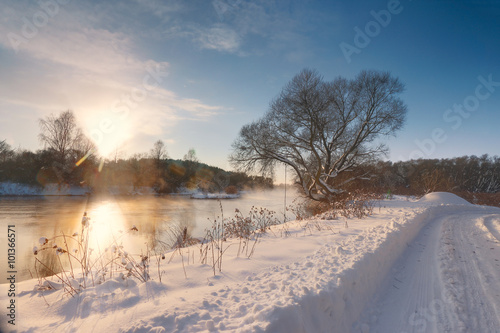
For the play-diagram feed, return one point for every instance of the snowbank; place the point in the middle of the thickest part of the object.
(55, 189)
(131, 190)
(443, 198)
(214, 196)
(9, 188)
(305, 276)
(15, 189)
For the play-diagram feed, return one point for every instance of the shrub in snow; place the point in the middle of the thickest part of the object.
(247, 229)
(85, 268)
(231, 190)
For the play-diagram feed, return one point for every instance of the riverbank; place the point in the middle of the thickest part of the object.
(9, 189)
(303, 276)
(17, 189)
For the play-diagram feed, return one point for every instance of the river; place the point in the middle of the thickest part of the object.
(113, 217)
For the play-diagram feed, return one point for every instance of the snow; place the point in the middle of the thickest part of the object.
(8, 188)
(16, 189)
(443, 198)
(428, 265)
(131, 190)
(215, 196)
(448, 278)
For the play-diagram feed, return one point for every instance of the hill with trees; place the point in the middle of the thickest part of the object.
(68, 157)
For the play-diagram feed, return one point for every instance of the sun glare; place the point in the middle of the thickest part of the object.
(108, 131)
(107, 225)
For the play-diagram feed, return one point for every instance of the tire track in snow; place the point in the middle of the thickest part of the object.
(472, 276)
(444, 282)
(492, 223)
(407, 301)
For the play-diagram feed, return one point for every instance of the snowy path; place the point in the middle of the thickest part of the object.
(448, 279)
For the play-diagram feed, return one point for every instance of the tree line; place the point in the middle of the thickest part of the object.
(471, 174)
(69, 157)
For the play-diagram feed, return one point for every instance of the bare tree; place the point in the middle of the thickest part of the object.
(159, 152)
(60, 134)
(83, 145)
(5, 151)
(191, 156)
(323, 129)
(66, 141)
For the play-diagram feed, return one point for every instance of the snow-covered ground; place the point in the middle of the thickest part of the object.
(52, 189)
(16, 189)
(414, 266)
(215, 196)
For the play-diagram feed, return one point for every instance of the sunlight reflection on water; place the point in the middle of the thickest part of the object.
(112, 217)
(107, 225)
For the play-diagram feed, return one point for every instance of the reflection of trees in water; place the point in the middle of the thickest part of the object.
(162, 231)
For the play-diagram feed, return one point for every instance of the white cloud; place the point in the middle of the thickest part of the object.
(72, 62)
(233, 26)
(161, 8)
(219, 38)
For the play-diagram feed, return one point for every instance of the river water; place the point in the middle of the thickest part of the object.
(112, 217)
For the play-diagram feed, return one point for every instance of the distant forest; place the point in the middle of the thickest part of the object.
(69, 157)
(165, 175)
(461, 175)
(476, 179)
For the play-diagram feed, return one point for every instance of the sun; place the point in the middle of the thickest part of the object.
(108, 131)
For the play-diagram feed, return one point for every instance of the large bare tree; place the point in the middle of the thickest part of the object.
(61, 134)
(322, 130)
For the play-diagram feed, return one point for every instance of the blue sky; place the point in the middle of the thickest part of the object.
(192, 73)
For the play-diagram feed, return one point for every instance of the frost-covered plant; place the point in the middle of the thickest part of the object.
(94, 269)
(305, 208)
(213, 242)
(356, 204)
(180, 236)
(247, 229)
(263, 218)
